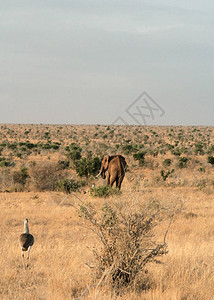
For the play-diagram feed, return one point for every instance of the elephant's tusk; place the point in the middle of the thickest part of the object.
(97, 175)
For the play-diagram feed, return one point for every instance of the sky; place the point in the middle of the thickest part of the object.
(107, 62)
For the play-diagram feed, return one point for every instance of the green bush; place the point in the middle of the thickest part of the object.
(6, 163)
(182, 162)
(74, 153)
(167, 162)
(104, 191)
(210, 160)
(165, 174)
(201, 169)
(199, 149)
(87, 167)
(211, 149)
(63, 164)
(176, 151)
(184, 150)
(49, 146)
(154, 153)
(21, 175)
(140, 156)
(145, 138)
(129, 148)
(3, 145)
(12, 146)
(169, 146)
(30, 145)
(68, 185)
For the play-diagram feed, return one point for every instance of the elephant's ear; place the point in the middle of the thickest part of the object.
(107, 159)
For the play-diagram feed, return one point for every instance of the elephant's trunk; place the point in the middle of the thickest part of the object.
(103, 175)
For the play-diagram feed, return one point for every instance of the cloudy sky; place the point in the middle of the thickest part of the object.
(88, 62)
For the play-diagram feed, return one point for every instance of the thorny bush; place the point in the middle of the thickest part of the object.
(128, 242)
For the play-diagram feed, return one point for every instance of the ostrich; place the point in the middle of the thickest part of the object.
(26, 240)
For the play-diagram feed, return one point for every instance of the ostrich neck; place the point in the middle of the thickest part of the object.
(26, 229)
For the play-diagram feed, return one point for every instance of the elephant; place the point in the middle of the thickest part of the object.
(113, 169)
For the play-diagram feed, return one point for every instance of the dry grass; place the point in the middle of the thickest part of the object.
(58, 259)
(61, 256)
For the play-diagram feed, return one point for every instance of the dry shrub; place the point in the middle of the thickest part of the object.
(6, 180)
(45, 175)
(127, 242)
(104, 191)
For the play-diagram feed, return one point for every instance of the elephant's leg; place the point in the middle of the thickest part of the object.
(120, 180)
(108, 178)
(116, 182)
(113, 179)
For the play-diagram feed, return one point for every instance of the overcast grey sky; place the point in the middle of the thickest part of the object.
(86, 62)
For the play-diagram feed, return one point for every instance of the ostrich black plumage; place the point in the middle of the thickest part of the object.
(26, 240)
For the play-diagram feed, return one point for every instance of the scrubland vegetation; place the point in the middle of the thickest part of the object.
(110, 244)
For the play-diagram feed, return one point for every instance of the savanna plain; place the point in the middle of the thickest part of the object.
(48, 175)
